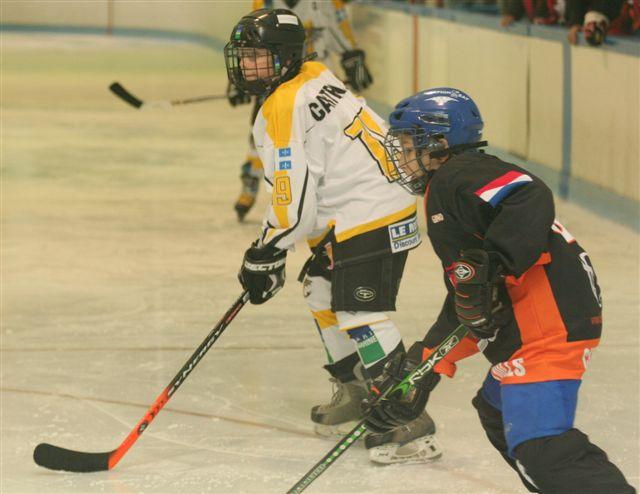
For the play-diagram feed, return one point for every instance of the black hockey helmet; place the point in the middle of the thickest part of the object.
(266, 48)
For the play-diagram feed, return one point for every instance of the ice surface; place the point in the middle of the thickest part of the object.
(120, 249)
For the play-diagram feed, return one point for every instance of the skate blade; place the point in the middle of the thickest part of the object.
(422, 450)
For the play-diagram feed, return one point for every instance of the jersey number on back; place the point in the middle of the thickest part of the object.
(584, 260)
(367, 130)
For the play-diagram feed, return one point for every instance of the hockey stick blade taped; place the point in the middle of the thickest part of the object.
(117, 89)
(56, 458)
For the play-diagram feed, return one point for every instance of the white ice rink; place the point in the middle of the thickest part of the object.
(120, 250)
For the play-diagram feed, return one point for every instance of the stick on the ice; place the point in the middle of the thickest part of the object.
(358, 431)
(121, 92)
(56, 458)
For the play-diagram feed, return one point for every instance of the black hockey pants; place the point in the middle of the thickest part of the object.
(564, 464)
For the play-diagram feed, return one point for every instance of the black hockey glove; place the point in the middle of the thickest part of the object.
(262, 272)
(478, 277)
(237, 97)
(395, 409)
(358, 75)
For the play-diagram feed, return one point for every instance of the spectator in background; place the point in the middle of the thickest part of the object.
(452, 4)
(597, 18)
(465, 4)
(628, 21)
(537, 11)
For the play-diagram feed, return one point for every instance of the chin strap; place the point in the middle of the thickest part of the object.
(458, 148)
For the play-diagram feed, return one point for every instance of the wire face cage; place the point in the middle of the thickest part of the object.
(405, 149)
(254, 70)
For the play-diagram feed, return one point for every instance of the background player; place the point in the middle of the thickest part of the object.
(518, 280)
(328, 33)
(330, 182)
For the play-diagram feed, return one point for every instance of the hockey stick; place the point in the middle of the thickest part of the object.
(358, 431)
(122, 93)
(56, 458)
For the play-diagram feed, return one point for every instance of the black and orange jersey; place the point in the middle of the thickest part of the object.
(477, 201)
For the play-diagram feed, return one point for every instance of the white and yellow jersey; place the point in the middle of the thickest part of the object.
(324, 162)
(325, 21)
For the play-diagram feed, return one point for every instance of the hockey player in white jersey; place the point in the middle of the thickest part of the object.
(328, 32)
(330, 183)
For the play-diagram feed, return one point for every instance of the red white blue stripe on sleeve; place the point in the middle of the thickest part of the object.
(502, 186)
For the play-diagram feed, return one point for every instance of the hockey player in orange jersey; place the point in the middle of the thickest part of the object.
(518, 280)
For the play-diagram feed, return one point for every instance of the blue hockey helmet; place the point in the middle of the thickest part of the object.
(417, 124)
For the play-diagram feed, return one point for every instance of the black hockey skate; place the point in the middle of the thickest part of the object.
(414, 442)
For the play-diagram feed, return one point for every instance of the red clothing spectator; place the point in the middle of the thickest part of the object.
(537, 11)
(628, 21)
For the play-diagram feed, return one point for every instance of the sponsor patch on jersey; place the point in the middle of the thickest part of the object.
(287, 19)
(284, 165)
(437, 218)
(284, 152)
(404, 235)
(509, 368)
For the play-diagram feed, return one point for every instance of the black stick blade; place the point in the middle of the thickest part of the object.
(55, 458)
(117, 89)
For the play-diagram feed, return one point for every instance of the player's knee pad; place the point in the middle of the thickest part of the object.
(569, 463)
